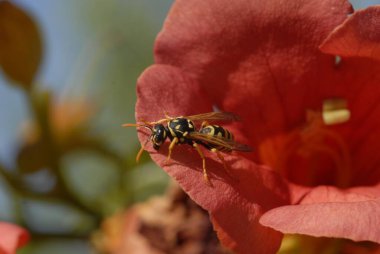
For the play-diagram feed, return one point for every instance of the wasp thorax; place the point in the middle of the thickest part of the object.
(180, 128)
(158, 136)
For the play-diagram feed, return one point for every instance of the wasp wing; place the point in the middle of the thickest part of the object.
(219, 141)
(214, 116)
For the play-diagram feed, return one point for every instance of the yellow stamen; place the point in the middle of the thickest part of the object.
(335, 111)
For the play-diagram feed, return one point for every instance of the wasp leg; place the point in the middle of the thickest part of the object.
(166, 119)
(139, 154)
(171, 147)
(221, 158)
(205, 176)
(141, 151)
(166, 114)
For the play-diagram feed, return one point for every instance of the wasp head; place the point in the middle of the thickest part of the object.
(159, 134)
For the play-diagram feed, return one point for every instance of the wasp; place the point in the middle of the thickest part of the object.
(182, 130)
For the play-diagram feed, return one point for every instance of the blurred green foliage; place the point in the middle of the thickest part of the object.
(74, 164)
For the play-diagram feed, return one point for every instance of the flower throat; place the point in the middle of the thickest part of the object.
(315, 153)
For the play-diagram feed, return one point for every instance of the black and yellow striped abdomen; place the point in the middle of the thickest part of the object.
(218, 132)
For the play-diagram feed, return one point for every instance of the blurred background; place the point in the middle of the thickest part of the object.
(66, 163)
(67, 84)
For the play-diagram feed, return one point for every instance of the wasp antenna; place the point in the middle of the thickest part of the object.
(137, 125)
(131, 125)
(142, 120)
(145, 122)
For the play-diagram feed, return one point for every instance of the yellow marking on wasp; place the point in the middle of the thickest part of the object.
(220, 135)
(172, 132)
(212, 131)
(185, 133)
(177, 127)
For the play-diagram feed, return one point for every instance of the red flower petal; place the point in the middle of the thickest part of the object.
(260, 59)
(327, 211)
(358, 36)
(257, 58)
(12, 237)
(235, 205)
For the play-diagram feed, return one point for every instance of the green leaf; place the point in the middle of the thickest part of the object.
(20, 44)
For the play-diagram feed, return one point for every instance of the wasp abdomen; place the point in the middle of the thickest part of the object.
(217, 131)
